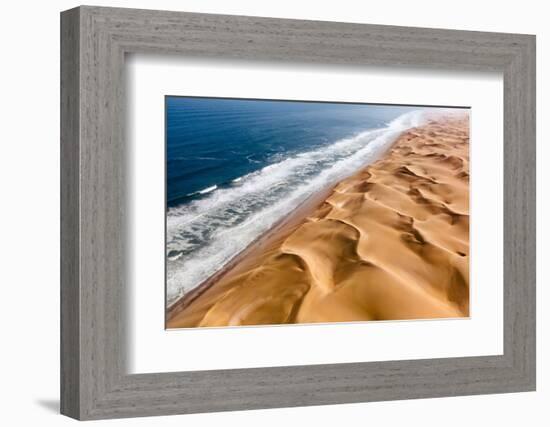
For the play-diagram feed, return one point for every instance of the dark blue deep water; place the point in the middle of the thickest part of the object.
(236, 167)
(214, 141)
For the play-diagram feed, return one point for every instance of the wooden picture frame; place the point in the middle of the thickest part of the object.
(94, 382)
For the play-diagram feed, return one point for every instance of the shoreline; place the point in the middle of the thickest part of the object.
(282, 228)
(400, 221)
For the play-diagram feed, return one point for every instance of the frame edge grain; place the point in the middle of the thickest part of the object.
(520, 214)
(70, 221)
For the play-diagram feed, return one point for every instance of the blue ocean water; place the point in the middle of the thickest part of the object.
(214, 141)
(236, 167)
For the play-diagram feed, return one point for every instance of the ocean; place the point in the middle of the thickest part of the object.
(234, 168)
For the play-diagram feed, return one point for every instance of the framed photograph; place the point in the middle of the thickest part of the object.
(261, 213)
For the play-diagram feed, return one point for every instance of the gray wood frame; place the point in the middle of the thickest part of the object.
(94, 41)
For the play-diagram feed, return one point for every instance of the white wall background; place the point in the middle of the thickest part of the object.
(29, 215)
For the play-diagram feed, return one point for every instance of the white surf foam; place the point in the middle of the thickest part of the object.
(208, 190)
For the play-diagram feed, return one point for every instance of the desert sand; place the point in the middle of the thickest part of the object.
(390, 242)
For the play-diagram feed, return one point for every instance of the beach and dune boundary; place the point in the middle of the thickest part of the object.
(391, 242)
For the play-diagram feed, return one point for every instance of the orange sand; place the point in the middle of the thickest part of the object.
(390, 242)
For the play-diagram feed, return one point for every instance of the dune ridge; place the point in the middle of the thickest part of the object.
(390, 242)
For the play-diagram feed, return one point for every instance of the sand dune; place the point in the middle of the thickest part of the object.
(390, 242)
